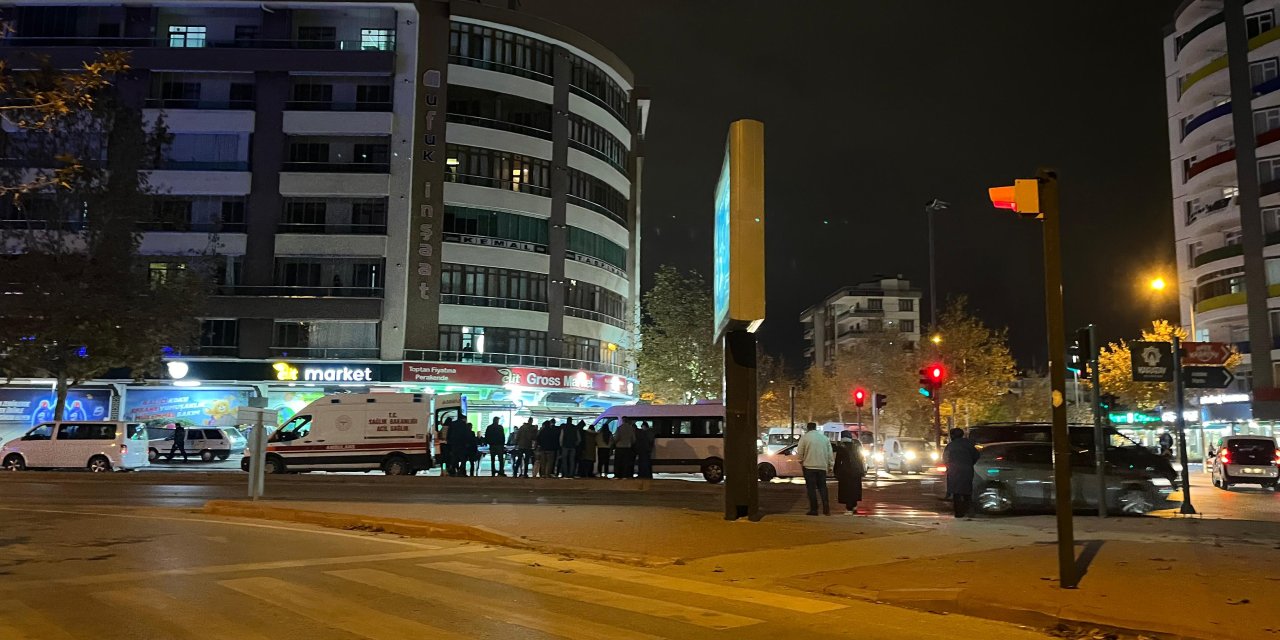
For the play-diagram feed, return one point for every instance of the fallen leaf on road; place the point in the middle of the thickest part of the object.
(1163, 559)
(1240, 601)
(903, 558)
(717, 570)
(964, 560)
(1164, 568)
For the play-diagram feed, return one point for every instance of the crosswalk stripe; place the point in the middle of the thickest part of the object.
(12, 615)
(500, 611)
(336, 611)
(752, 596)
(176, 614)
(590, 595)
(107, 578)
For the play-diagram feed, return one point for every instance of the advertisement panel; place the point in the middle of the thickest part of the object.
(200, 407)
(532, 377)
(738, 247)
(30, 407)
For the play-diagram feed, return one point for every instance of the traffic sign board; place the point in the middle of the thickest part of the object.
(1205, 353)
(1151, 361)
(1208, 377)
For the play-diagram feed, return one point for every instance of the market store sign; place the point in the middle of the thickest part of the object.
(286, 372)
(448, 373)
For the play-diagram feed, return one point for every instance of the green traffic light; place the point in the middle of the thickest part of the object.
(926, 393)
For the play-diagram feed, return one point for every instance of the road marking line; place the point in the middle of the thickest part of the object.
(15, 611)
(752, 596)
(235, 523)
(573, 627)
(247, 566)
(204, 626)
(338, 612)
(590, 595)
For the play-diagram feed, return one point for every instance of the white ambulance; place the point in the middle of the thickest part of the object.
(356, 432)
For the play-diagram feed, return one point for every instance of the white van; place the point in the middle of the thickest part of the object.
(354, 432)
(907, 455)
(688, 438)
(96, 446)
(779, 438)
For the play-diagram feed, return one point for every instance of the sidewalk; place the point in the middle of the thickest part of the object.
(1177, 578)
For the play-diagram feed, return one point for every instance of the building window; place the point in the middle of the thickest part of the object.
(304, 216)
(327, 277)
(906, 304)
(1194, 249)
(1265, 120)
(502, 51)
(160, 272)
(1263, 70)
(591, 82)
(186, 36)
(492, 340)
(326, 339)
(180, 95)
(377, 40)
(1232, 237)
(875, 324)
(373, 97)
(485, 108)
(372, 153)
(586, 243)
(1271, 221)
(243, 95)
(875, 304)
(467, 221)
(246, 35)
(498, 169)
(907, 326)
(219, 336)
(1259, 23)
(1268, 170)
(309, 152)
(493, 287)
(588, 136)
(309, 95)
(593, 302)
(317, 37)
(596, 194)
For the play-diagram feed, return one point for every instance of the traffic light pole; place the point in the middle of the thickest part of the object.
(937, 414)
(1048, 188)
(1099, 439)
(1180, 398)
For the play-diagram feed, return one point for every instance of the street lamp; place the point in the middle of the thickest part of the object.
(1158, 285)
(931, 207)
(936, 339)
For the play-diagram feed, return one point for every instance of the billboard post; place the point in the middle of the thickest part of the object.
(739, 306)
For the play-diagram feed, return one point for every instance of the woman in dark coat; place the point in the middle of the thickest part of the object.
(849, 470)
(960, 456)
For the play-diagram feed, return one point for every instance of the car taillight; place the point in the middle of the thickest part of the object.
(942, 468)
(1224, 457)
(124, 448)
(1278, 457)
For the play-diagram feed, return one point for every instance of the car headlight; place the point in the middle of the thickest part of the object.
(878, 456)
(1161, 482)
(933, 455)
(911, 455)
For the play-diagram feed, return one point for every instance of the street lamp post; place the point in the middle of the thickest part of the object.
(931, 207)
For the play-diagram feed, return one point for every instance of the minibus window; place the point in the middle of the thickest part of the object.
(296, 428)
(715, 426)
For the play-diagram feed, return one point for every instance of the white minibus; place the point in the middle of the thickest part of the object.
(688, 438)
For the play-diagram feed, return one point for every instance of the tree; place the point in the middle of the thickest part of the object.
(41, 99)
(1116, 370)
(773, 391)
(878, 363)
(979, 366)
(678, 359)
(79, 300)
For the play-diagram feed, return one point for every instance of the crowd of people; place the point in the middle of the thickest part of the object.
(548, 450)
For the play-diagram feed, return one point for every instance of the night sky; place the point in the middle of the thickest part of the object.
(873, 108)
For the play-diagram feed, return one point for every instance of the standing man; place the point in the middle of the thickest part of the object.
(458, 446)
(526, 435)
(644, 450)
(960, 456)
(815, 456)
(497, 441)
(569, 440)
(179, 441)
(623, 441)
(548, 442)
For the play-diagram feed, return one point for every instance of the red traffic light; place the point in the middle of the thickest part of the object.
(937, 373)
(859, 397)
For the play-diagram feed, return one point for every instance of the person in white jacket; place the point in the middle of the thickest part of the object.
(814, 451)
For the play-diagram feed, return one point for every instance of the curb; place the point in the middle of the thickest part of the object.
(423, 529)
(963, 602)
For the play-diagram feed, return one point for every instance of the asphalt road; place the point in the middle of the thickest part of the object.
(145, 574)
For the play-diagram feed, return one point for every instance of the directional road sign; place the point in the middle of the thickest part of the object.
(1152, 361)
(1205, 353)
(1207, 377)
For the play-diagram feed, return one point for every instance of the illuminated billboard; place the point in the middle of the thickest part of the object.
(738, 278)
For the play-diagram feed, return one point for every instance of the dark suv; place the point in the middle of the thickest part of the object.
(1121, 451)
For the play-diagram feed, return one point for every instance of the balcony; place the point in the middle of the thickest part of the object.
(1201, 210)
(293, 291)
(162, 103)
(334, 105)
(337, 167)
(471, 357)
(1191, 34)
(587, 314)
(1213, 255)
(327, 353)
(502, 125)
(332, 228)
(499, 183)
(478, 63)
(203, 165)
(498, 303)
(860, 312)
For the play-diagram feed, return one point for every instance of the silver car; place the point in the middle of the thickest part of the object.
(1019, 475)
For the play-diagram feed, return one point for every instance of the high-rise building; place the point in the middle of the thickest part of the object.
(1206, 206)
(887, 305)
(418, 196)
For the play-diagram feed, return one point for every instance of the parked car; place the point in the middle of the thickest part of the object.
(783, 463)
(96, 446)
(206, 443)
(1019, 475)
(1126, 452)
(1246, 460)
